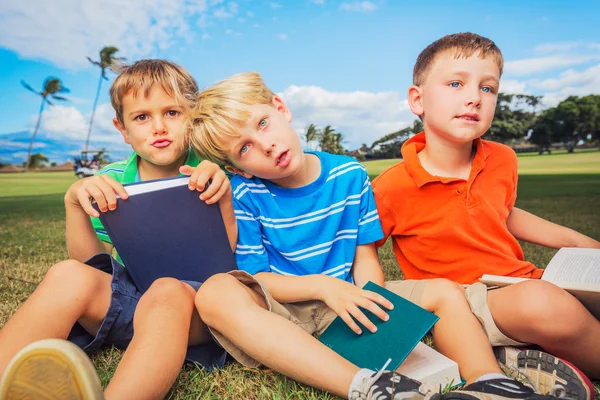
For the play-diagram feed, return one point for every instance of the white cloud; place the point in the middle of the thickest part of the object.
(274, 5)
(359, 6)
(511, 86)
(69, 123)
(569, 83)
(362, 117)
(226, 12)
(531, 66)
(64, 32)
(281, 36)
(10, 145)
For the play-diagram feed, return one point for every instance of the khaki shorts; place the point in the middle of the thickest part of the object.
(314, 316)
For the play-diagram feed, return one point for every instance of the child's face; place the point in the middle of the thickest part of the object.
(458, 99)
(154, 127)
(268, 147)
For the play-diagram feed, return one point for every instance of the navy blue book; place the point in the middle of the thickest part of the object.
(164, 230)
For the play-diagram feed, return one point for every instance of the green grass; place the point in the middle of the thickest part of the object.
(32, 237)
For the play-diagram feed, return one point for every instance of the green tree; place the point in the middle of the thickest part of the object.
(566, 123)
(542, 133)
(311, 134)
(107, 60)
(513, 117)
(51, 87)
(37, 160)
(331, 141)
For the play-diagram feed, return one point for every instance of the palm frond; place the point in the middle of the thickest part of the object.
(48, 101)
(55, 97)
(94, 62)
(28, 87)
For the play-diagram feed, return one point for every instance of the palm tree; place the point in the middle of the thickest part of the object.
(52, 86)
(107, 59)
(312, 133)
(326, 139)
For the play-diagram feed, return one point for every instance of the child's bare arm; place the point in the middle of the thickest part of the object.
(530, 228)
(366, 266)
(342, 297)
(219, 191)
(82, 241)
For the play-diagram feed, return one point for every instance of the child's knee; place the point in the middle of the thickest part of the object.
(170, 293)
(551, 310)
(440, 292)
(72, 276)
(219, 293)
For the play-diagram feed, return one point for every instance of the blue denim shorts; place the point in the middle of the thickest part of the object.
(117, 327)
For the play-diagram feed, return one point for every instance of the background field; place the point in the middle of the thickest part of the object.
(562, 188)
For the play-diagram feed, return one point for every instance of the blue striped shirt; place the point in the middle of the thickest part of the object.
(309, 230)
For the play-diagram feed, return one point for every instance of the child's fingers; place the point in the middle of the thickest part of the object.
(219, 195)
(199, 179)
(83, 197)
(379, 299)
(362, 318)
(350, 322)
(186, 169)
(117, 187)
(374, 308)
(108, 193)
(93, 192)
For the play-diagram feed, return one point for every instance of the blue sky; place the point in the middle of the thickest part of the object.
(343, 63)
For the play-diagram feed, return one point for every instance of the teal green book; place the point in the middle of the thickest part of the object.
(394, 338)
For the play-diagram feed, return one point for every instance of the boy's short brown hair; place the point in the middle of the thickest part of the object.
(143, 74)
(220, 109)
(462, 45)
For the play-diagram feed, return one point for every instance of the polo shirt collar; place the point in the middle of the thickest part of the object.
(130, 171)
(420, 176)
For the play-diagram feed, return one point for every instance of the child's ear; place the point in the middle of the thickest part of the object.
(415, 100)
(238, 171)
(121, 129)
(282, 108)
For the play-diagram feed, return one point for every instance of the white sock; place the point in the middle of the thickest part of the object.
(492, 375)
(358, 379)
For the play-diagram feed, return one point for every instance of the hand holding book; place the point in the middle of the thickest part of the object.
(345, 299)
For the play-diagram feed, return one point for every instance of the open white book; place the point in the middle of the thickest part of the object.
(428, 366)
(573, 269)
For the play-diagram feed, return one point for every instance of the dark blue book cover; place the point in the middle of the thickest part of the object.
(394, 338)
(164, 230)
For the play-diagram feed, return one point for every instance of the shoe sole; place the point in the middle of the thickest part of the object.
(50, 369)
(547, 370)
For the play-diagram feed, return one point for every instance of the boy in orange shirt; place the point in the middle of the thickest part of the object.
(449, 208)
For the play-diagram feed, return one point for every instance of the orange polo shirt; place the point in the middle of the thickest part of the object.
(448, 227)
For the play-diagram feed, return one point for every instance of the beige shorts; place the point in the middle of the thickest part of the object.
(314, 316)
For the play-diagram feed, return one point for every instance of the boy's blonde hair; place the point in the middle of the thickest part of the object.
(143, 74)
(220, 109)
(463, 45)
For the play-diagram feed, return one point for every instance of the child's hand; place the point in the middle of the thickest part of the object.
(101, 188)
(207, 173)
(344, 298)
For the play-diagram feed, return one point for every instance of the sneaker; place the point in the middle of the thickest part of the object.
(50, 369)
(387, 385)
(496, 389)
(543, 371)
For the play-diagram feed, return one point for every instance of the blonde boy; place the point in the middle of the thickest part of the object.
(307, 227)
(94, 302)
(449, 209)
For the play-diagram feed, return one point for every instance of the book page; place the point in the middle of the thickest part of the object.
(573, 265)
(150, 186)
(429, 366)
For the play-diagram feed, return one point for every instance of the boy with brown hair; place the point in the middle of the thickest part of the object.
(449, 209)
(307, 227)
(94, 302)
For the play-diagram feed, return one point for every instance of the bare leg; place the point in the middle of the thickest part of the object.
(541, 313)
(241, 316)
(156, 353)
(71, 291)
(458, 334)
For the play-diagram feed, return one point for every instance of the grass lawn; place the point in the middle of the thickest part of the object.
(32, 237)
